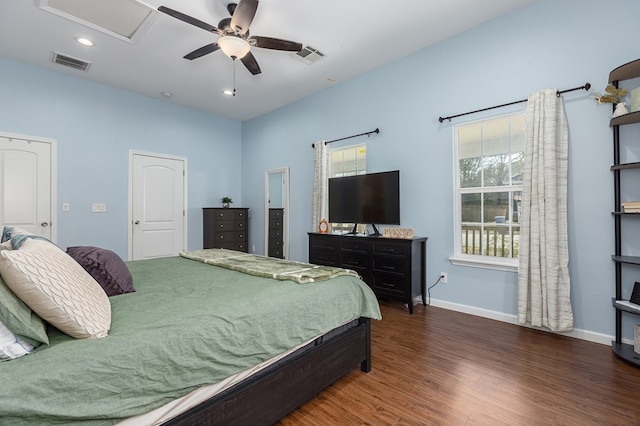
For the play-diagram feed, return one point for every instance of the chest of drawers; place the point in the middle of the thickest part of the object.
(276, 233)
(225, 228)
(393, 268)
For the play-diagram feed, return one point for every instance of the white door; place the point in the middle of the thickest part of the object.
(25, 170)
(157, 206)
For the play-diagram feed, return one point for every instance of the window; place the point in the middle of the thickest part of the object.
(489, 166)
(348, 161)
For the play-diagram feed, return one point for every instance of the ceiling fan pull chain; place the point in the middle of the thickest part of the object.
(234, 76)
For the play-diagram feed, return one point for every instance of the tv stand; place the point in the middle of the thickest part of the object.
(354, 231)
(394, 268)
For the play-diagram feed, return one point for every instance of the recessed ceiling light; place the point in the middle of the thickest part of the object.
(167, 95)
(84, 41)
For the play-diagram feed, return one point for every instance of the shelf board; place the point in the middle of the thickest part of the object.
(625, 308)
(625, 72)
(626, 352)
(633, 260)
(630, 118)
(626, 166)
(625, 213)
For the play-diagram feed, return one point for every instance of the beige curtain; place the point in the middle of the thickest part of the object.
(320, 209)
(543, 277)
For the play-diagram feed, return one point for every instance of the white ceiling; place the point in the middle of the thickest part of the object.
(355, 35)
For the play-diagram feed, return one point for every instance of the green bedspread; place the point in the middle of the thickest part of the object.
(187, 325)
(267, 267)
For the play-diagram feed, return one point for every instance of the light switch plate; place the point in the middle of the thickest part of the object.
(98, 207)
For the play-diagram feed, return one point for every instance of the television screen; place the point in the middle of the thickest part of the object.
(373, 198)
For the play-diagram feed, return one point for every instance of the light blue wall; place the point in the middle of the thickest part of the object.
(560, 44)
(95, 126)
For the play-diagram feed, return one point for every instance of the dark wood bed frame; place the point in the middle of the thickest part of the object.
(271, 394)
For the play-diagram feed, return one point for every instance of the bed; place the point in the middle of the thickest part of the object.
(198, 343)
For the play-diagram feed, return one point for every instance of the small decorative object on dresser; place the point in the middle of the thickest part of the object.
(225, 228)
(226, 201)
(406, 233)
(323, 228)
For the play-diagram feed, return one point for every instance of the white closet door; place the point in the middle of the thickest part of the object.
(25, 169)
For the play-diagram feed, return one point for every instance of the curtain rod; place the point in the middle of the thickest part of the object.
(586, 86)
(349, 137)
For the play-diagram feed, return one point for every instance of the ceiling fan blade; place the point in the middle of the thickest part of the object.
(243, 16)
(189, 19)
(250, 62)
(204, 50)
(275, 43)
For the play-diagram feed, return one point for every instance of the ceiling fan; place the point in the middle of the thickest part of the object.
(235, 41)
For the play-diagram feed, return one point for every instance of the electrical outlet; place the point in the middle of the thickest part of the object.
(443, 277)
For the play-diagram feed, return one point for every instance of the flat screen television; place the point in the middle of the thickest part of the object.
(372, 198)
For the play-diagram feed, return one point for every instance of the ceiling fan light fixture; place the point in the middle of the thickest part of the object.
(234, 46)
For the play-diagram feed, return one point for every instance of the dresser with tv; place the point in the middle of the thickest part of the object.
(394, 268)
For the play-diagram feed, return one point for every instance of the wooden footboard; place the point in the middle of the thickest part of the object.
(273, 393)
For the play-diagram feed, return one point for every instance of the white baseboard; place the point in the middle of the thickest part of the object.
(513, 319)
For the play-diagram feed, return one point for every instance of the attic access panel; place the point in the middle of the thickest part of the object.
(126, 20)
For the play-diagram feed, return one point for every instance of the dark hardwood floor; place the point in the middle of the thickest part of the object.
(439, 367)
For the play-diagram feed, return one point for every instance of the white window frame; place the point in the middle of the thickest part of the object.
(474, 260)
(356, 147)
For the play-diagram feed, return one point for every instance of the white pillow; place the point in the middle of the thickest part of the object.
(12, 347)
(57, 288)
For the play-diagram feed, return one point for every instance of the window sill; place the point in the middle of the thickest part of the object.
(485, 263)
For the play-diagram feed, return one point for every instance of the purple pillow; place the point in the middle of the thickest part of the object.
(105, 267)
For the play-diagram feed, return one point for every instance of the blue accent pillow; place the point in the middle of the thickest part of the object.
(17, 236)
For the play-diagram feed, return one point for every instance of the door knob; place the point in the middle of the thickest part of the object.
(137, 222)
(44, 224)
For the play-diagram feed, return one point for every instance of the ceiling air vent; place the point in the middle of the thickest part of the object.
(309, 55)
(69, 61)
